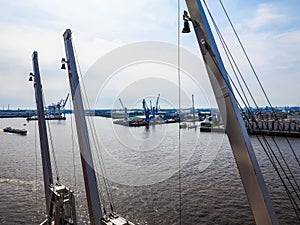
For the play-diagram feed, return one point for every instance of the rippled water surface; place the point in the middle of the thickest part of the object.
(142, 165)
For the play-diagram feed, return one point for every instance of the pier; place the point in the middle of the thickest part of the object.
(280, 123)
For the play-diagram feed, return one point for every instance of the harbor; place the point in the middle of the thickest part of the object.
(167, 130)
(282, 122)
(274, 123)
(286, 124)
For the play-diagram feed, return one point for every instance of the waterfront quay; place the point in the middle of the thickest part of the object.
(273, 122)
(24, 113)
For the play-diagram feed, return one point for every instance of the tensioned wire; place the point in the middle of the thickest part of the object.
(255, 74)
(107, 185)
(73, 155)
(270, 153)
(179, 107)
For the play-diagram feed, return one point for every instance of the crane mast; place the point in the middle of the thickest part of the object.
(60, 202)
(242, 149)
(152, 109)
(61, 104)
(146, 111)
(193, 107)
(89, 175)
(64, 102)
(156, 104)
(46, 163)
(97, 216)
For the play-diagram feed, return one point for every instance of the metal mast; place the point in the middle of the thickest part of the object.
(193, 107)
(46, 163)
(156, 104)
(246, 161)
(60, 201)
(90, 180)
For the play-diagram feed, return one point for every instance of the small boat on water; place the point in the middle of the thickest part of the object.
(183, 125)
(16, 131)
(206, 126)
(47, 117)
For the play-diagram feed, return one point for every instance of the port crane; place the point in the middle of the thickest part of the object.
(60, 201)
(153, 110)
(147, 111)
(125, 110)
(61, 105)
(55, 109)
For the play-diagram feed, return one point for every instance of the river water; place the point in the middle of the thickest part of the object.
(142, 166)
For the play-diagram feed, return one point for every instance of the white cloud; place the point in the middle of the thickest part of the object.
(272, 41)
(266, 15)
(98, 27)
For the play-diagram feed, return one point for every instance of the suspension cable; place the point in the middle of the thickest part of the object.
(227, 50)
(73, 156)
(246, 55)
(179, 108)
(52, 145)
(53, 152)
(256, 76)
(231, 60)
(96, 143)
(294, 204)
(293, 201)
(293, 151)
(288, 167)
(289, 194)
(36, 169)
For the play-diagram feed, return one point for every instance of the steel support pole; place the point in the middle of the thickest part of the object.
(242, 149)
(89, 175)
(46, 163)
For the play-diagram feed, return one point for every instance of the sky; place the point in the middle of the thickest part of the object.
(269, 31)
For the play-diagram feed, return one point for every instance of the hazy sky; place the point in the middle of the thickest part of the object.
(270, 31)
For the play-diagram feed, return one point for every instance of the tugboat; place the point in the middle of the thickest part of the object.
(16, 131)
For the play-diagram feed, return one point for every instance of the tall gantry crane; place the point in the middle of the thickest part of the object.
(125, 110)
(56, 109)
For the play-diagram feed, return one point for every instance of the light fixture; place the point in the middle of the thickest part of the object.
(186, 25)
(30, 77)
(63, 63)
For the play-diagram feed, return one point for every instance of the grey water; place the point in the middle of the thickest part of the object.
(142, 165)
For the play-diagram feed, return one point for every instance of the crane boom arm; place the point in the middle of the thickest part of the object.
(121, 103)
(65, 101)
(156, 104)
